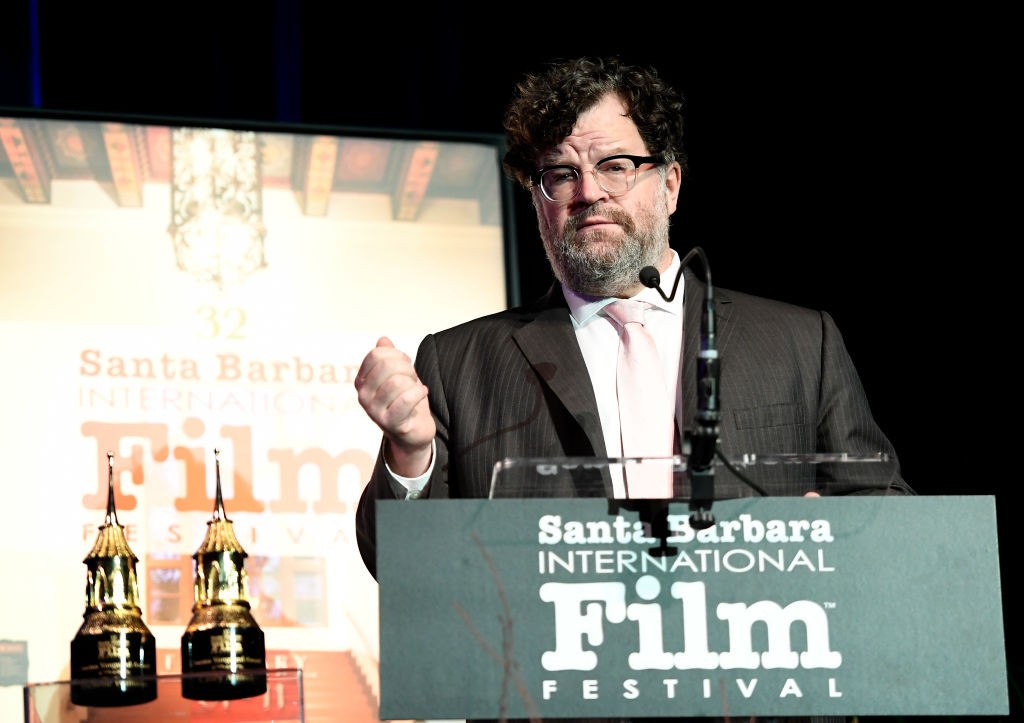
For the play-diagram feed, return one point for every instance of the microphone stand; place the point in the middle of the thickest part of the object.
(652, 511)
(701, 443)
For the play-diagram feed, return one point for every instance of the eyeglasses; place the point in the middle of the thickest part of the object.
(614, 174)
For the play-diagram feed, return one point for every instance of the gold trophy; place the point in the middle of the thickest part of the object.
(222, 638)
(113, 654)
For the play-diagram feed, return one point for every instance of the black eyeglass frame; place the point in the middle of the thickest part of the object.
(636, 160)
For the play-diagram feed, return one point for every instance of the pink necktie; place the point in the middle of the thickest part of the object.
(645, 411)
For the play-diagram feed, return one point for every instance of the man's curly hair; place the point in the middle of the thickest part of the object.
(546, 106)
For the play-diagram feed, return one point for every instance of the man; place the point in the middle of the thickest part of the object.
(598, 145)
(536, 380)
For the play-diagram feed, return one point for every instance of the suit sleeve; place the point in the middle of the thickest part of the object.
(845, 422)
(380, 484)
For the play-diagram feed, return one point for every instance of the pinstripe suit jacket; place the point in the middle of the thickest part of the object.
(514, 384)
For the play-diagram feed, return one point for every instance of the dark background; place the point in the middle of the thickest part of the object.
(847, 160)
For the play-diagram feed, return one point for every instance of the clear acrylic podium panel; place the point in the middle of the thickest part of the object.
(282, 703)
(746, 476)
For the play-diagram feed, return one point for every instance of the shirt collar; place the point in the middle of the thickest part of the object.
(584, 308)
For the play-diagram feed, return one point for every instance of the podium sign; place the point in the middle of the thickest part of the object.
(552, 608)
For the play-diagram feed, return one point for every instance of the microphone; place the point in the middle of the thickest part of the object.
(702, 442)
(651, 278)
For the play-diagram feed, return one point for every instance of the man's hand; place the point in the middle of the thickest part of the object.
(393, 396)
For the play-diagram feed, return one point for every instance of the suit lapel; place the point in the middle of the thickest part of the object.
(549, 344)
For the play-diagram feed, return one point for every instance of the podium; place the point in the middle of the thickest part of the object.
(551, 600)
(282, 703)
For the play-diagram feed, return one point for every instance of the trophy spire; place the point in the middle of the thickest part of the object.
(113, 654)
(222, 638)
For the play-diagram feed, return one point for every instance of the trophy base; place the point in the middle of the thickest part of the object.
(234, 656)
(113, 668)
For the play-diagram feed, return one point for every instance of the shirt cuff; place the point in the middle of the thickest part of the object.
(411, 488)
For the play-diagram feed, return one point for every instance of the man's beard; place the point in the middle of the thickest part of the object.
(601, 266)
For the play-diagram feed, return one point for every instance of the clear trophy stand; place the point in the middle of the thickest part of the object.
(282, 702)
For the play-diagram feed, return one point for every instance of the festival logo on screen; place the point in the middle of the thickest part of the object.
(288, 500)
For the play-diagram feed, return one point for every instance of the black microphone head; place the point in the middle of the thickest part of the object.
(650, 277)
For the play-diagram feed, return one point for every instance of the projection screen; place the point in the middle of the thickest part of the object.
(170, 289)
